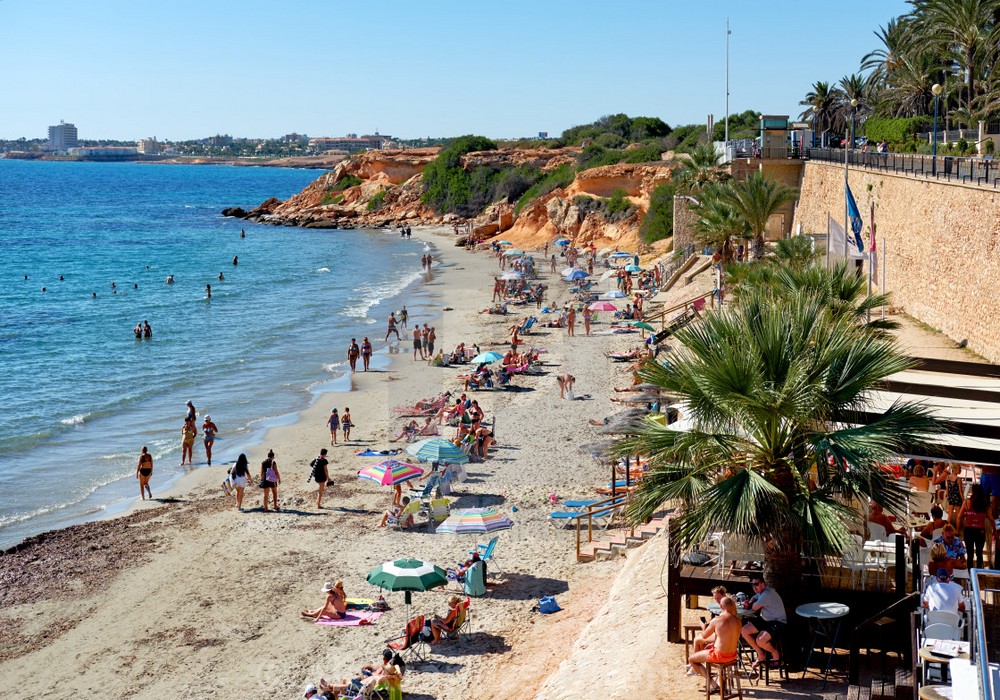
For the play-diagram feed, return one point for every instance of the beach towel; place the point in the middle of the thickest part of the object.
(369, 452)
(354, 618)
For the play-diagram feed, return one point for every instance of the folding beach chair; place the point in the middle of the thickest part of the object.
(438, 511)
(429, 490)
(405, 517)
(412, 641)
(463, 624)
(487, 554)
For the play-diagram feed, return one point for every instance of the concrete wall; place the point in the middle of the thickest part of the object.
(786, 171)
(942, 245)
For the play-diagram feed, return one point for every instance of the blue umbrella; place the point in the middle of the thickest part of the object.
(576, 275)
(487, 357)
(620, 254)
(437, 449)
(633, 268)
(563, 241)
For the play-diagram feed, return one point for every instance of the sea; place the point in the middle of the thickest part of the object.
(85, 252)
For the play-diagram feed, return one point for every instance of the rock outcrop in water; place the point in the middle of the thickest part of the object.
(383, 189)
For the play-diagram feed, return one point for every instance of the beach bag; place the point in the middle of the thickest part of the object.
(318, 470)
(547, 605)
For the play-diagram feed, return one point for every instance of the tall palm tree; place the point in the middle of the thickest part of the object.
(771, 384)
(755, 200)
(896, 40)
(967, 30)
(821, 107)
(852, 87)
(718, 224)
(702, 169)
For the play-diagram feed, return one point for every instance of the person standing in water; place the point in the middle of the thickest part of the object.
(391, 326)
(188, 434)
(209, 429)
(143, 471)
(243, 234)
(208, 291)
(403, 315)
(353, 352)
(236, 260)
(147, 331)
(138, 331)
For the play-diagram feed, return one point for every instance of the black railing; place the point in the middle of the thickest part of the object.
(984, 172)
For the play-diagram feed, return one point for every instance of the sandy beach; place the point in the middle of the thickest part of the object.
(187, 597)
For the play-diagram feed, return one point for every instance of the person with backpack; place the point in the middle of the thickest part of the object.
(320, 474)
(269, 479)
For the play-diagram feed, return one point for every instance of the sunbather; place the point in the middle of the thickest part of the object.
(449, 623)
(428, 428)
(458, 573)
(427, 405)
(396, 511)
(391, 669)
(335, 605)
(408, 431)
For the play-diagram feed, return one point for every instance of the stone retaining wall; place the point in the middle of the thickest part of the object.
(942, 245)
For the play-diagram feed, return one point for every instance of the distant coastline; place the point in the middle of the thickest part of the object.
(304, 162)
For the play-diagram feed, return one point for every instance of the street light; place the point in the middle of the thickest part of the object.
(815, 111)
(936, 90)
(854, 111)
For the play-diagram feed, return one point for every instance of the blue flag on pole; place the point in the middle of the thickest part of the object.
(855, 217)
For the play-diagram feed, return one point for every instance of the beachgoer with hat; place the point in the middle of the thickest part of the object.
(209, 429)
(335, 605)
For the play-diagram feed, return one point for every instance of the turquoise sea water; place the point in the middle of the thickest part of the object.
(81, 395)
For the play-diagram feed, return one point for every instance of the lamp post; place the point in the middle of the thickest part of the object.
(854, 112)
(936, 91)
(847, 147)
(815, 111)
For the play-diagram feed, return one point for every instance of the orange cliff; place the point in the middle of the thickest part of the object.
(390, 184)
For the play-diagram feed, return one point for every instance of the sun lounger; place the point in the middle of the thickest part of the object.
(561, 518)
(577, 504)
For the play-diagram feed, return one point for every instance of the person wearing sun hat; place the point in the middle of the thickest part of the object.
(335, 605)
(944, 594)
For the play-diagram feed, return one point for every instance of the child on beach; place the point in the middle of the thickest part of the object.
(345, 423)
(334, 422)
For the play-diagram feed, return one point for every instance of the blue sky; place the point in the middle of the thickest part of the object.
(184, 69)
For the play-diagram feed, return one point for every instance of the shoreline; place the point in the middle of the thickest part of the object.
(192, 598)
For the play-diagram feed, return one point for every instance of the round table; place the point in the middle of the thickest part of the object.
(929, 656)
(716, 610)
(828, 617)
(936, 692)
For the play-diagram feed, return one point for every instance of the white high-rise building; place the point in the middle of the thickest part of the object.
(62, 136)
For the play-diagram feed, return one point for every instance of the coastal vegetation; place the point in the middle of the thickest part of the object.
(561, 176)
(954, 44)
(658, 223)
(772, 384)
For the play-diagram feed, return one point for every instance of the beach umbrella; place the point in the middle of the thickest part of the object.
(408, 575)
(504, 243)
(436, 449)
(603, 306)
(644, 397)
(608, 274)
(633, 268)
(390, 472)
(512, 253)
(620, 255)
(602, 449)
(488, 357)
(576, 275)
(562, 241)
(511, 275)
(603, 252)
(640, 324)
(613, 294)
(475, 521)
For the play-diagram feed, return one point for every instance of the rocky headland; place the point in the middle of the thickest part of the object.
(383, 189)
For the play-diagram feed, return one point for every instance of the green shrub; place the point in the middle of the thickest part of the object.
(628, 129)
(989, 147)
(658, 223)
(896, 131)
(646, 153)
(619, 204)
(375, 203)
(449, 188)
(514, 182)
(587, 204)
(594, 156)
(345, 182)
(963, 145)
(610, 141)
(556, 178)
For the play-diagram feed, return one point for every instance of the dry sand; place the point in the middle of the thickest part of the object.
(188, 598)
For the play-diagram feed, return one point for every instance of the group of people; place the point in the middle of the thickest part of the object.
(338, 421)
(142, 330)
(189, 431)
(423, 342)
(364, 351)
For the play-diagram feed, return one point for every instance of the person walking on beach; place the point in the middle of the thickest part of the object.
(240, 473)
(209, 429)
(392, 326)
(552, 264)
(429, 337)
(353, 352)
(188, 434)
(320, 475)
(571, 321)
(403, 315)
(346, 423)
(143, 471)
(417, 344)
(587, 315)
(366, 352)
(334, 422)
(269, 479)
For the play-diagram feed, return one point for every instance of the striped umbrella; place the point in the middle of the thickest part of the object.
(475, 520)
(435, 449)
(390, 472)
(513, 252)
(620, 255)
(603, 306)
(408, 575)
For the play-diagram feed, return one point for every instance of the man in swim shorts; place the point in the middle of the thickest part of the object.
(726, 628)
(392, 326)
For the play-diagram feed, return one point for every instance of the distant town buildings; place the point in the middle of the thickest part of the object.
(149, 147)
(351, 143)
(104, 152)
(62, 137)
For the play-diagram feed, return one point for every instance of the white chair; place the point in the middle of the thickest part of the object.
(858, 563)
(940, 630)
(945, 617)
(876, 530)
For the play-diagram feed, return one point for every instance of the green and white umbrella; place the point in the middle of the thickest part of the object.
(408, 575)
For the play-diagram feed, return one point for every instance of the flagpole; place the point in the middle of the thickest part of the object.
(828, 243)
(883, 279)
(872, 256)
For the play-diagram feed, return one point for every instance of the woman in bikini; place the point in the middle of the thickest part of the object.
(269, 479)
(209, 429)
(366, 352)
(334, 422)
(143, 471)
(335, 605)
(188, 433)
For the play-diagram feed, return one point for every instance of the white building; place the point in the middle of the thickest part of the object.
(149, 147)
(62, 136)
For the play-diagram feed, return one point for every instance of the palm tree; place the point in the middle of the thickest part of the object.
(966, 30)
(771, 384)
(718, 224)
(700, 170)
(821, 107)
(797, 252)
(755, 200)
(852, 87)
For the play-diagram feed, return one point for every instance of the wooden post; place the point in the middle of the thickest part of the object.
(915, 564)
(900, 567)
(673, 584)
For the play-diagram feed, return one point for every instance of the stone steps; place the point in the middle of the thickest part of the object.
(615, 543)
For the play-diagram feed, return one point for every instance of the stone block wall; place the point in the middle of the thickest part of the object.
(941, 242)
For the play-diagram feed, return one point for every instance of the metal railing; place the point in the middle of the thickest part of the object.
(609, 507)
(979, 644)
(982, 172)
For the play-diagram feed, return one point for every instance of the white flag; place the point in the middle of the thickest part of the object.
(838, 243)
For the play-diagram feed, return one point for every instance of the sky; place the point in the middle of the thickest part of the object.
(184, 69)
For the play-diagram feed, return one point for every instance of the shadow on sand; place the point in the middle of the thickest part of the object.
(517, 586)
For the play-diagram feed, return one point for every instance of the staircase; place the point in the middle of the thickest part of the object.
(898, 687)
(617, 542)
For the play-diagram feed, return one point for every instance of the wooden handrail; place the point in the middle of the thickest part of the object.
(616, 502)
(662, 313)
